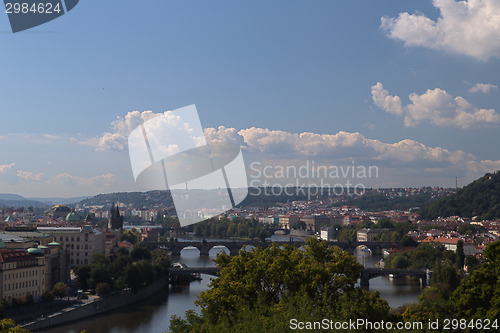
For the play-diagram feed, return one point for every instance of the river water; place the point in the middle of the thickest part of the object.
(153, 315)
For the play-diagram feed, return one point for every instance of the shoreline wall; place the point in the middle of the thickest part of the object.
(96, 307)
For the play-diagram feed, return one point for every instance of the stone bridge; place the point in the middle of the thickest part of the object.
(424, 275)
(201, 270)
(235, 246)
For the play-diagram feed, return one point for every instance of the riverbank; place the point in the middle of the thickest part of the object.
(94, 306)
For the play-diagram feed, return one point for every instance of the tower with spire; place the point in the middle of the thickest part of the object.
(115, 219)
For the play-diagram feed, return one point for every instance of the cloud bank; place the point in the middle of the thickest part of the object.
(398, 159)
(469, 27)
(436, 106)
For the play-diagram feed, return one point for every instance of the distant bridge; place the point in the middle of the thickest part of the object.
(234, 247)
(366, 274)
(424, 275)
(201, 270)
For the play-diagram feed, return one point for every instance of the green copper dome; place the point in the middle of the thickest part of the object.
(73, 217)
(35, 251)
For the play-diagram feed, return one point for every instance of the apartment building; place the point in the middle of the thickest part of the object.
(81, 242)
(22, 272)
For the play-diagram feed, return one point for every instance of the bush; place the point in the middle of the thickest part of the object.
(102, 289)
(60, 290)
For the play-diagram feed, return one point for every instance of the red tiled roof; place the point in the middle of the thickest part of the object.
(14, 255)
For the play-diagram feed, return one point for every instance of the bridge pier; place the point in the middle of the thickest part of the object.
(233, 251)
(176, 252)
(205, 251)
(364, 280)
(427, 281)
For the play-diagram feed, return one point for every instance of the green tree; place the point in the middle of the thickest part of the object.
(139, 252)
(9, 326)
(4, 305)
(60, 290)
(129, 236)
(257, 290)
(83, 274)
(400, 261)
(99, 273)
(161, 262)
(98, 258)
(479, 295)
(103, 289)
(385, 223)
(347, 234)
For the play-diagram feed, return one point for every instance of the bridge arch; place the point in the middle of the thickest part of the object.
(218, 249)
(187, 248)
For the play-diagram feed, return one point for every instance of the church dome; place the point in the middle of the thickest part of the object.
(73, 217)
(35, 251)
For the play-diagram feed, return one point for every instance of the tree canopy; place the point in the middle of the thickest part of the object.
(262, 289)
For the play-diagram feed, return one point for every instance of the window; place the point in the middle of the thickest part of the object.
(77, 246)
(86, 237)
(72, 238)
(77, 238)
(67, 238)
(72, 246)
(61, 238)
(72, 261)
(77, 261)
(86, 246)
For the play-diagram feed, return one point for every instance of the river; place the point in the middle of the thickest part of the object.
(153, 315)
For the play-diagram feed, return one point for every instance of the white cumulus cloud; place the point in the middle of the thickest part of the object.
(122, 127)
(470, 27)
(483, 87)
(436, 106)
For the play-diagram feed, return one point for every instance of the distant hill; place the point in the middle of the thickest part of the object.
(138, 199)
(59, 201)
(480, 198)
(17, 201)
(8, 196)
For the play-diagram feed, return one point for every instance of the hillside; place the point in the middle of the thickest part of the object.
(17, 201)
(480, 198)
(138, 199)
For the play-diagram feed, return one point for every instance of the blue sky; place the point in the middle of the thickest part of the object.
(270, 70)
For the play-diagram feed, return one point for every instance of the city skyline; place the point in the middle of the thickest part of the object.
(407, 87)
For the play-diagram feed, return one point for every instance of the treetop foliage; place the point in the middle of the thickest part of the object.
(260, 289)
